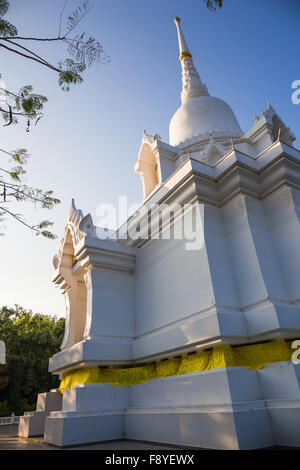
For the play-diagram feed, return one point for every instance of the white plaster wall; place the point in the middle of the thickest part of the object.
(283, 211)
(167, 167)
(242, 252)
(110, 308)
(260, 279)
(280, 380)
(266, 255)
(171, 284)
(222, 274)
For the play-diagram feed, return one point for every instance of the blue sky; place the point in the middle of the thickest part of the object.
(86, 145)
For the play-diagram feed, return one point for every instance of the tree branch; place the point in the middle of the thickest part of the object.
(13, 112)
(61, 15)
(15, 216)
(17, 190)
(59, 38)
(4, 151)
(77, 22)
(30, 57)
(27, 50)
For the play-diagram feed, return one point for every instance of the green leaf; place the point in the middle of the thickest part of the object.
(4, 6)
(29, 102)
(212, 5)
(86, 51)
(20, 155)
(71, 75)
(48, 235)
(7, 29)
(16, 172)
(77, 15)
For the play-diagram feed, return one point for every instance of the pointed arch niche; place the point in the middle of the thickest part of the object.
(70, 278)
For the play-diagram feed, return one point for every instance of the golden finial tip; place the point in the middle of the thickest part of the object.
(177, 19)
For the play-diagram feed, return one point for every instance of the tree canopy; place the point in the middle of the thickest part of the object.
(13, 189)
(30, 340)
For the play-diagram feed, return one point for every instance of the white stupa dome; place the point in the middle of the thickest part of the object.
(199, 116)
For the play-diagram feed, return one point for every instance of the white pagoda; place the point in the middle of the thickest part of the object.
(191, 347)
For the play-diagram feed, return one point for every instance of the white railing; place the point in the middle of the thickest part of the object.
(9, 420)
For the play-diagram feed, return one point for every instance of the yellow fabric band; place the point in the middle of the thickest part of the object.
(254, 356)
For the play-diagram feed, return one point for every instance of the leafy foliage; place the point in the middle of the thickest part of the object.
(213, 4)
(7, 29)
(4, 5)
(77, 15)
(86, 51)
(83, 52)
(70, 74)
(14, 190)
(30, 340)
(24, 103)
(28, 102)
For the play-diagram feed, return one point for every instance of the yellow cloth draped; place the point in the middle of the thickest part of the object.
(253, 356)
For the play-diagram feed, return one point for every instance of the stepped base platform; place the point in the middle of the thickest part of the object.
(228, 408)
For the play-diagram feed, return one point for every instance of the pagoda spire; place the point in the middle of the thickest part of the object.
(192, 85)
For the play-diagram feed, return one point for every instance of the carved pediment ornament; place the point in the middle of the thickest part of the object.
(279, 129)
(78, 226)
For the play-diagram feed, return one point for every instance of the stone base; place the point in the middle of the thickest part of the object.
(229, 408)
(33, 423)
(212, 429)
(71, 428)
(285, 422)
